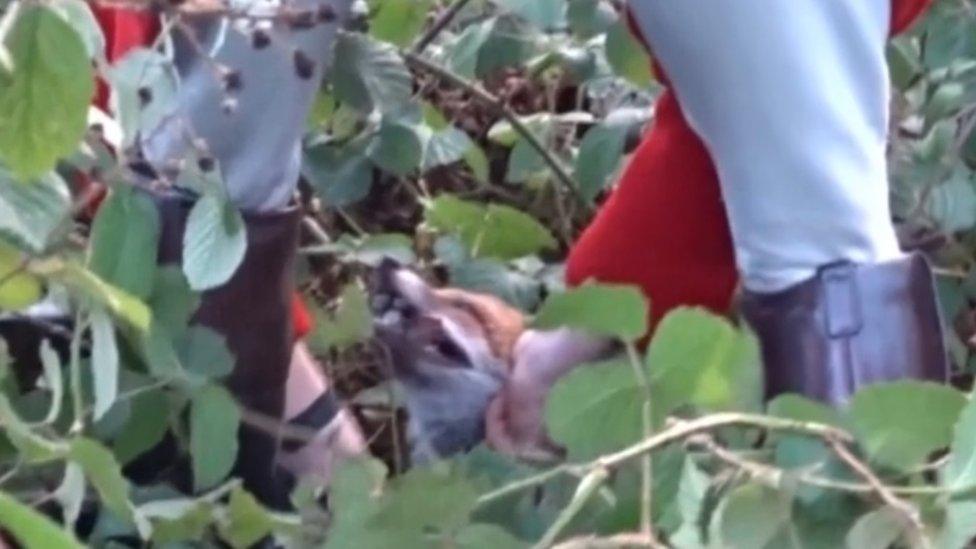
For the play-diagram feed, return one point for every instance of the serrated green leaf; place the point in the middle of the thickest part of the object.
(148, 422)
(489, 231)
(172, 301)
(214, 243)
(462, 56)
(399, 146)
(960, 472)
(71, 494)
(605, 310)
(480, 536)
(124, 241)
(698, 358)
(602, 148)
(588, 18)
(39, 127)
(435, 498)
(753, 516)
(545, 14)
(214, 420)
(341, 175)
(88, 285)
(204, 354)
(142, 69)
(958, 527)
(886, 420)
(351, 323)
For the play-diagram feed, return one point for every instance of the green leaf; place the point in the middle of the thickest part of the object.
(178, 520)
(879, 529)
(71, 494)
(398, 21)
(341, 175)
(545, 14)
(104, 474)
(753, 516)
(958, 527)
(31, 212)
(18, 289)
(79, 15)
(446, 146)
(398, 147)
(88, 285)
(125, 241)
(148, 422)
(602, 148)
(595, 409)
(214, 420)
(627, 56)
(148, 70)
(214, 243)
(698, 358)
(247, 521)
(53, 379)
(104, 363)
(369, 74)
(489, 231)
(349, 324)
(462, 56)
(606, 310)
(480, 536)
(800, 408)
(33, 529)
(960, 472)
(886, 420)
(172, 301)
(525, 163)
(204, 354)
(953, 203)
(692, 491)
(44, 103)
(435, 498)
(588, 18)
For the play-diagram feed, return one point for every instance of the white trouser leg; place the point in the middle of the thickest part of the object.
(791, 99)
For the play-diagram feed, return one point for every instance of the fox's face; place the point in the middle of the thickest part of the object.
(450, 350)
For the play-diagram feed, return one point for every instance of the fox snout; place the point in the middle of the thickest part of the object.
(443, 354)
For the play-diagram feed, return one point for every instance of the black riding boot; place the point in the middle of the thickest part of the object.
(253, 312)
(849, 326)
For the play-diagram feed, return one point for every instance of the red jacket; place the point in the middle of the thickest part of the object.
(664, 228)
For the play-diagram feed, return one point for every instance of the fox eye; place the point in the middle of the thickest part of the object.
(450, 350)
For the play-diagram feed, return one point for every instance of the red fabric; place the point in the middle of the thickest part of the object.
(664, 228)
(126, 30)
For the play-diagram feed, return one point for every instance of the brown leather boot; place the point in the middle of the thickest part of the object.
(253, 312)
(849, 326)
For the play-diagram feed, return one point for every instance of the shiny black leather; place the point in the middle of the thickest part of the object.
(849, 326)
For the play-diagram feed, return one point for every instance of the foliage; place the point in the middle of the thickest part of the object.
(481, 154)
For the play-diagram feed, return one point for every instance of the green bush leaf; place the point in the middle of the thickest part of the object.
(142, 69)
(489, 231)
(399, 22)
(39, 127)
(18, 289)
(31, 212)
(148, 422)
(350, 323)
(595, 409)
(342, 175)
(879, 529)
(588, 18)
(204, 354)
(960, 472)
(369, 74)
(398, 147)
(104, 473)
(479, 536)
(33, 529)
(125, 241)
(88, 285)
(887, 421)
(463, 53)
(214, 243)
(214, 420)
(698, 358)
(104, 363)
(605, 310)
(627, 56)
(247, 521)
(753, 516)
(172, 301)
(602, 149)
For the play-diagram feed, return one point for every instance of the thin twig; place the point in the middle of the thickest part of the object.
(908, 512)
(525, 484)
(439, 25)
(589, 486)
(647, 465)
(619, 541)
(482, 95)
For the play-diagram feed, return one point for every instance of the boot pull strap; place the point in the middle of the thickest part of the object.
(842, 300)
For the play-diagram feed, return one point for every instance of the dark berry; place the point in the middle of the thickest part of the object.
(145, 96)
(304, 66)
(326, 13)
(232, 81)
(206, 163)
(302, 20)
(260, 39)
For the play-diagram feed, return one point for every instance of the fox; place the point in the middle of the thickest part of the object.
(471, 367)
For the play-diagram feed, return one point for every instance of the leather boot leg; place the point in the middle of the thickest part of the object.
(849, 326)
(252, 311)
